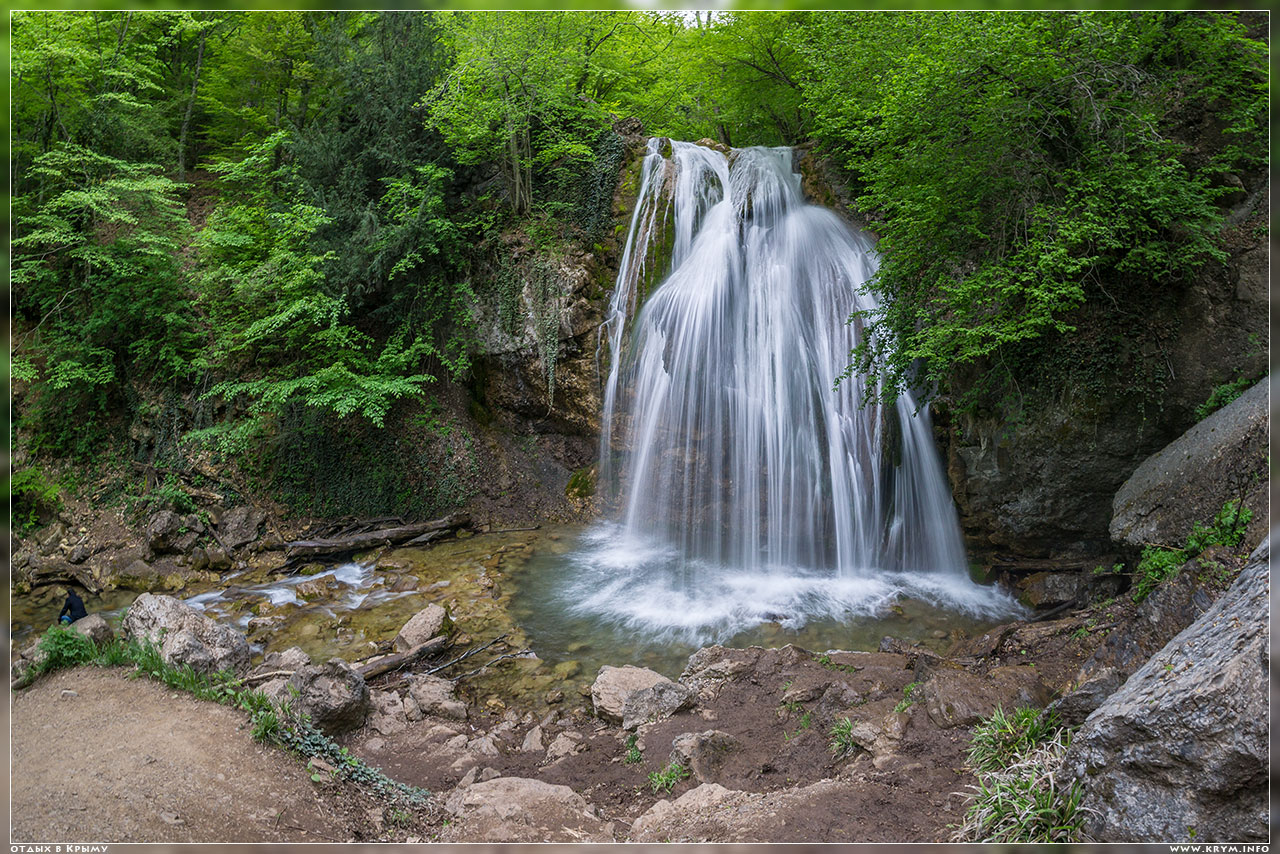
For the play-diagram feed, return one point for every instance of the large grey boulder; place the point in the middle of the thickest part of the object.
(1188, 481)
(239, 525)
(517, 809)
(95, 628)
(333, 695)
(1179, 752)
(1173, 606)
(185, 636)
(634, 695)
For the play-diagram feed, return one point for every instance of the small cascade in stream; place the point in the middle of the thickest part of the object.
(748, 488)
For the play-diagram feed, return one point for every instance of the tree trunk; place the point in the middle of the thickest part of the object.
(191, 103)
(419, 532)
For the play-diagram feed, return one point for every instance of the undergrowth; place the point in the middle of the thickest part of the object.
(1161, 562)
(1018, 797)
(665, 780)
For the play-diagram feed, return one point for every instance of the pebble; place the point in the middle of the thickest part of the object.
(67, 694)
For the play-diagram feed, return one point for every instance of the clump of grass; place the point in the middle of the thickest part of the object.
(1003, 739)
(1018, 797)
(910, 696)
(1025, 803)
(633, 756)
(665, 780)
(842, 743)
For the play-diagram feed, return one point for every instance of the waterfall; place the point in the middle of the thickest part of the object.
(748, 487)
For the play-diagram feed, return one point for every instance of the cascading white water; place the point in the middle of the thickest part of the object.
(749, 488)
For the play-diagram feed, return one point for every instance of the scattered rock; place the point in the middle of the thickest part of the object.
(387, 715)
(690, 813)
(290, 659)
(565, 744)
(164, 529)
(711, 666)
(517, 809)
(428, 623)
(533, 741)
(333, 694)
(1083, 698)
(633, 695)
(185, 636)
(434, 696)
(1179, 752)
(1047, 589)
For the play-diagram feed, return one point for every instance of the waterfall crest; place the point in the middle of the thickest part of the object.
(747, 486)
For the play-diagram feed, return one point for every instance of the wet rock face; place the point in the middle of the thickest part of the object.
(185, 636)
(1220, 459)
(1179, 753)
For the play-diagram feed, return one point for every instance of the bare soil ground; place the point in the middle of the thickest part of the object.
(99, 757)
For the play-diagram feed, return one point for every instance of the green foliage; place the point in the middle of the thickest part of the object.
(62, 647)
(1001, 740)
(1224, 394)
(910, 696)
(33, 497)
(168, 495)
(1161, 562)
(632, 756)
(1018, 798)
(1014, 163)
(842, 741)
(662, 782)
(321, 464)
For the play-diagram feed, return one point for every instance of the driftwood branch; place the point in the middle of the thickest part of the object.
(263, 677)
(380, 537)
(394, 662)
(518, 654)
(465, 655)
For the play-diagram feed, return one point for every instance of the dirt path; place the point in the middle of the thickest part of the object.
(97, 757)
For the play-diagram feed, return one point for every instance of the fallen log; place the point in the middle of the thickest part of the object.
(387, 663)
(371, 539)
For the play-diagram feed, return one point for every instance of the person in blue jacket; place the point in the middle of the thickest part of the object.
(72, 610)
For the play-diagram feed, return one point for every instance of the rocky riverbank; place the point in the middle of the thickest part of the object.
(1154, 664)
(752, 729)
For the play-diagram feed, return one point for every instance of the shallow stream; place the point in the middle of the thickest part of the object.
(556, 592)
